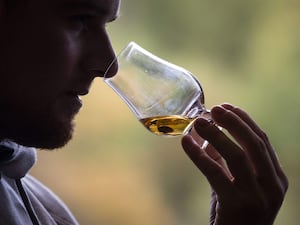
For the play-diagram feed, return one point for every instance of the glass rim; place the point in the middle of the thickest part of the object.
(130, 45)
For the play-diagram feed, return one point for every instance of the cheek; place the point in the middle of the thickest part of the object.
(44, 71)
(71, 56)
(57, 67)
(60, 58)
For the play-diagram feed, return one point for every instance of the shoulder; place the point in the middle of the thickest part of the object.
(43, 196)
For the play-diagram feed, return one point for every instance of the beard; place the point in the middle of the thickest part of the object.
(43, 131)
(49, 136)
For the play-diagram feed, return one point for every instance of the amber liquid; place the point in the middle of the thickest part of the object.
(172, 125)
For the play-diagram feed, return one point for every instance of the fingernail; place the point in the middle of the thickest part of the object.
(227, 106)
(203, 122)
(218, 110)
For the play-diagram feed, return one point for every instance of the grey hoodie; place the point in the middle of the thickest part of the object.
(23, 199)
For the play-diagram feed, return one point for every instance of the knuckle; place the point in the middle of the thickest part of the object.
(264, 136)
(285, 183)
(259, 144)
(236, 109)
(273, 206)
(276, 198)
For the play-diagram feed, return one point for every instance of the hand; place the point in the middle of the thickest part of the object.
(247, 181)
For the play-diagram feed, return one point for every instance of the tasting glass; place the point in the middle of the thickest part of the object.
(164, 97)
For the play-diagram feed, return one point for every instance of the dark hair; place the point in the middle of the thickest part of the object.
(11, 4)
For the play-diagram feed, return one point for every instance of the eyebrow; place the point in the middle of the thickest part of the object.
(112, 12)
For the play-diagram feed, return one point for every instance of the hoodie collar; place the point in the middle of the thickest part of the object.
(15, 160)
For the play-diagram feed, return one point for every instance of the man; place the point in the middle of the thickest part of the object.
(51, 50)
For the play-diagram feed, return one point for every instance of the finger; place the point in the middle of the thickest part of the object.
(208, 148)
(213, 208)
(279, 170)
(215, 155)
(247, 138)
(235, 157)
(273, 186)
(252, 124)
(270, 175)
(214, 173)
(200, 141)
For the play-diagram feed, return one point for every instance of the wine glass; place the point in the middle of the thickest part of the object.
(164, 97)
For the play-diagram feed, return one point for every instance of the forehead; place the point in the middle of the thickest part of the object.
(95, 2)
(107, 5)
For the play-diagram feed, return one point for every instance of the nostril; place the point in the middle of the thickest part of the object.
(97, 73)
(112, 69)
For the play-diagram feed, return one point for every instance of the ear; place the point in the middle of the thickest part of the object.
(2, 7)
(4, 4)
(3, 13)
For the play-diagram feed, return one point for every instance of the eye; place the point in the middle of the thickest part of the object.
(82, 21)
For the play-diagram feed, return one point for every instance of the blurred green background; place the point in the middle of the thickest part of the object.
(245, 52)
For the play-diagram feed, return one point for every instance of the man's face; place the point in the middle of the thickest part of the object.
(51, 50)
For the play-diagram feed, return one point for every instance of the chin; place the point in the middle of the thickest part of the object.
(55, 142)
(56, 138)
(47, 138)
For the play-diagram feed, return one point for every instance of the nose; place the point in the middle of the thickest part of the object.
(112, 69)
(100, 56)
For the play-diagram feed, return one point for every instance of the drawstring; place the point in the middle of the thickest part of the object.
(27, 203)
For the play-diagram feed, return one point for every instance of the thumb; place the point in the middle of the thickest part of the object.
(213, 207)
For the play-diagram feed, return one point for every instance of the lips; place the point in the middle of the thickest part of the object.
(72, 103)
